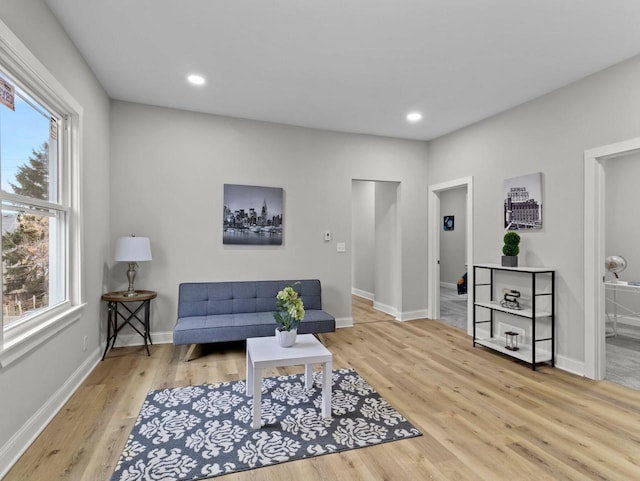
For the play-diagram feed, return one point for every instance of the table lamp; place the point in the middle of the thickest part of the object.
(132, 250)
(615, 265)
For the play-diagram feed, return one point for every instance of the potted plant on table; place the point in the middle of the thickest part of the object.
(289, 316)
(511, 249)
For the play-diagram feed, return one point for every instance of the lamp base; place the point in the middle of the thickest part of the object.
(131, 276)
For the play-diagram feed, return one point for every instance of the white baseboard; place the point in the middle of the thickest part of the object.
(26, 435)
(412, 315)
(364, 294)
(450, 285)
(134, 339)
(344, 322)
(127, 340)
(392, 311)
(570, 365)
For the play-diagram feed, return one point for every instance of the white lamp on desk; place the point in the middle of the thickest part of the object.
(615, 264)
(132, 249)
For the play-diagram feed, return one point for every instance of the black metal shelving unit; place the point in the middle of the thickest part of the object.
(529, 354)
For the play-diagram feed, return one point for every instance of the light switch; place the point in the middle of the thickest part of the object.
(341, 247)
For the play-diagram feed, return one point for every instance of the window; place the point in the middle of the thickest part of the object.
(39, 202)
(33, 216)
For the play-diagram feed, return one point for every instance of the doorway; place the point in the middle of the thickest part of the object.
(434, 252)
(453, 261)
(376, 268)
(595, 231)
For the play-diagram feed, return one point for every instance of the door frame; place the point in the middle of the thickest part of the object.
(433, 266)
(594, 253)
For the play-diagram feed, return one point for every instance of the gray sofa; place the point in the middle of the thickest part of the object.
(233, 311)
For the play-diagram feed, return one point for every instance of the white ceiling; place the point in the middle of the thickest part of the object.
(348, 65)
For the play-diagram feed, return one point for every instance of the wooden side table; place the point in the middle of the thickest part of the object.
(117, 306)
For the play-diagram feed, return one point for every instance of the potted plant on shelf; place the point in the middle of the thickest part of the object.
(511, 249)
(289, 316)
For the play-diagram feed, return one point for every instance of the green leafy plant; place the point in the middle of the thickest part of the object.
(291, 309)
(511, 244)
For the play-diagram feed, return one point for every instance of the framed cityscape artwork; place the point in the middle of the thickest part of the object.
(252, 215)
(523, 202)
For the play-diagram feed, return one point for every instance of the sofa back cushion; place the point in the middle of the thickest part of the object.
(211, 298)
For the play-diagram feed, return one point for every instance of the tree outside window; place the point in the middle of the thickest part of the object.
(25, 247)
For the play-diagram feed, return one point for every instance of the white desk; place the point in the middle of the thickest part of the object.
(264, 352)
(615, 287)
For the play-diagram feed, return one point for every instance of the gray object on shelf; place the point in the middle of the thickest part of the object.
(509, 261)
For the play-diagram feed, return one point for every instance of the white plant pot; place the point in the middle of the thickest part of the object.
(286, 338)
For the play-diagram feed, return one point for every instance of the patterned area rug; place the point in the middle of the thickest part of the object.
(204, 431)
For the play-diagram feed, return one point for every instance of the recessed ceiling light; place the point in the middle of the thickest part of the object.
(196, 79)
(414, 117)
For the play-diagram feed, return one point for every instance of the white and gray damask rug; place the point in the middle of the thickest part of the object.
(204, 431)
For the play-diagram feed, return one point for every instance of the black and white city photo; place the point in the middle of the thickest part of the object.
(252, 215)
(523, 202)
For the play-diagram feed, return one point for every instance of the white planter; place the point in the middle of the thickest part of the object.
(286, 338)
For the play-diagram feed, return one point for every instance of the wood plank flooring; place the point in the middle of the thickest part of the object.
(484, 416)
(362, 311)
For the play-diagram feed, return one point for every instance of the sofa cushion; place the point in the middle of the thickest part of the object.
(229, 311)
(237, 327)
(202, 298)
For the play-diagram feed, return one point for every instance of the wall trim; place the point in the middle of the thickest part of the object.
(166, 337)
(570, 365)
(450, 285)
(392, 311)
(134, 339)
(344, 322)
(30, 430)
(413, 315)
(594, 252)
(364, 294)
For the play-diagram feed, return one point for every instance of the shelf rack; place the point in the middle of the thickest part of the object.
(531, 354)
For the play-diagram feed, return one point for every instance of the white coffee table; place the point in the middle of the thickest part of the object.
(264, 352)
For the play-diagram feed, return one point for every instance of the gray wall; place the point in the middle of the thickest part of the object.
(175, 163)
(363, 236)
(452, 243)
(550, 135)
(623, 227)
(376, 244)
(43, 375)
(387, 284)
(168, 167)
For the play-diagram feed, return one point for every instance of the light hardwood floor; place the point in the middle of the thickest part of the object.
(362, 311)
(484, 416)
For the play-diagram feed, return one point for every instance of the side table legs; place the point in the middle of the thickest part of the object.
(127, 317)
(112, 328)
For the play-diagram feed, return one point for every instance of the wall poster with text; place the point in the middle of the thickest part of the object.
(523, 202)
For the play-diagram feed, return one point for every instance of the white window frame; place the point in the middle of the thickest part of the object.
(33, 77)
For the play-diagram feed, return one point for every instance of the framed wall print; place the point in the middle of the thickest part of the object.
(448, 222)
(523, 202)
(252, 215)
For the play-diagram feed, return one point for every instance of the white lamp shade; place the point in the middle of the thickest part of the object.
(132, 249)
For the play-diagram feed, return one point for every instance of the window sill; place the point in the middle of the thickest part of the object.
(14, 347)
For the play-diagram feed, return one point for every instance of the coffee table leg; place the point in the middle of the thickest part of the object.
(326, 389)
(257, 397)
(308, 376)
(249, 387)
